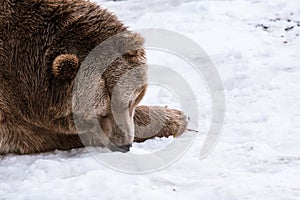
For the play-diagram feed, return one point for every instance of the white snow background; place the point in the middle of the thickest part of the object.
(257, 53)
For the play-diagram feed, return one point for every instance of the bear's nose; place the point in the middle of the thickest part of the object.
(125, 148)
(122, 148)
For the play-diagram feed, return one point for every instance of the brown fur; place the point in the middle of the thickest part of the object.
(42, 44)
(65, 66)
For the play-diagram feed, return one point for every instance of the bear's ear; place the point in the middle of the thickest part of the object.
(65, 66)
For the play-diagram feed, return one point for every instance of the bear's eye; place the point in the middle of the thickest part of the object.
(131, 104)
(103, 117)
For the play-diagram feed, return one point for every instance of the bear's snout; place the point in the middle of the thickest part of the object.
(119, 132)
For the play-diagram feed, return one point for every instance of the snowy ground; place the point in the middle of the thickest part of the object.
(255, 46)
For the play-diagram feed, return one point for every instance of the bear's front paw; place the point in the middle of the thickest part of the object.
(153, 121)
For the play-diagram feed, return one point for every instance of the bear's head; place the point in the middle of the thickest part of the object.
(43, 43)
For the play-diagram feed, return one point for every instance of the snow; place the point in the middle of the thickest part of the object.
(257, 156)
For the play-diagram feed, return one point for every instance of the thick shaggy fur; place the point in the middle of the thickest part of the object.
(42, 45)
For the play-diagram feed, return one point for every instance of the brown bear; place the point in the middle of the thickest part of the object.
(42, 46)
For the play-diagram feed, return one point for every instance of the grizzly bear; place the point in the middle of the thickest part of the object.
(43, 43)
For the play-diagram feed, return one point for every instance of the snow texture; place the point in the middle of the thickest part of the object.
(255, 46)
